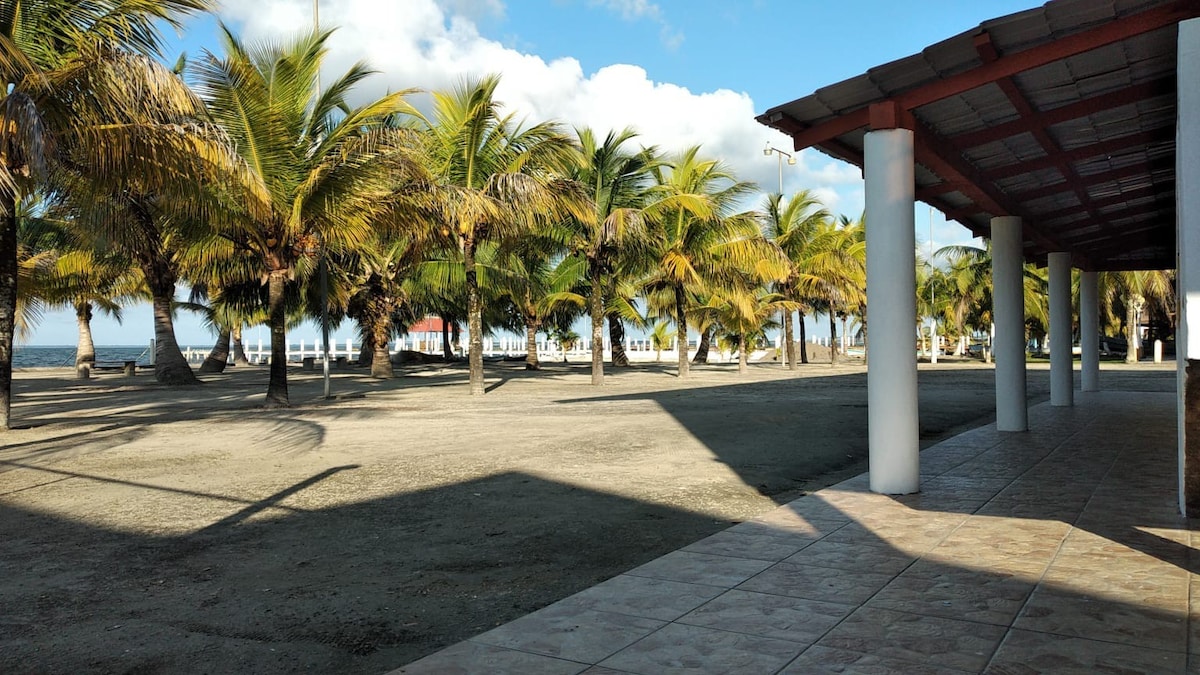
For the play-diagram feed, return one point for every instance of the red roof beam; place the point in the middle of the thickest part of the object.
(1139, 168)
(1139, 193)
(1084, 152)
(1090, 106)
(1061, 48)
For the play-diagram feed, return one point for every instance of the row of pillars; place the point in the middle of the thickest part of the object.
(891, 240)
(892, 373)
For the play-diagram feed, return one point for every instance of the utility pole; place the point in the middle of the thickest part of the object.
(783, 313)
(933, 341)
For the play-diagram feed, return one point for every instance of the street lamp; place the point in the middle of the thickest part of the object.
(783, 313)
(323, 262)
(790, 159)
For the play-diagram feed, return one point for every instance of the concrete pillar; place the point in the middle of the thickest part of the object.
(1187, 195)
(1062, 383)
(1008, 308)
(1089, 331)
(891, 295)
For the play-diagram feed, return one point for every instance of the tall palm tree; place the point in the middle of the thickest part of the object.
(499, 180)
(1135, 292)
(697, 242)
(793, 225)
(40, 42)
(326, 171)
(616, 178)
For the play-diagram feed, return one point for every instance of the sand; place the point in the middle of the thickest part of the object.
(152, 529)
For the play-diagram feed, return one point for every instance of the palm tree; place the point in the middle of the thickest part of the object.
(499, 180)
(697, 242)
(744, 311)
(792, 226)
(42, 42)
(1135, 292)
(617, 180)
(325, 171)
(660, 339)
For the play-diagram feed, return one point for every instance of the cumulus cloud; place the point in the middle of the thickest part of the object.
(421, 43)
(634, 10)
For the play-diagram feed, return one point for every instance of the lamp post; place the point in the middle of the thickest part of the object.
(783, 313)
(322, 263)
(933, 343)
(791, 160)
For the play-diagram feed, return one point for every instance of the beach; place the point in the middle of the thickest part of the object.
(190, 530)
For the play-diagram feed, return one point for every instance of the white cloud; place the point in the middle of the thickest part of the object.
(634, 10)
(420, 43)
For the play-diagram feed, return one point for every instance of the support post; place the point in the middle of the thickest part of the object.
(1089, 331)
(1187, 195)
(1008, 310)
(891, 295)
(1062, 381)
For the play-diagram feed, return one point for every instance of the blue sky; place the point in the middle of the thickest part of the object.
(680, 71)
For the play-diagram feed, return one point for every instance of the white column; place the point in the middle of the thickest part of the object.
(1062, 382)
(1008, 310)
(1187, 333)
(1089, 331)
(891, 296)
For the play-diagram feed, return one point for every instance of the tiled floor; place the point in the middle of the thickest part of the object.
(1059, 550)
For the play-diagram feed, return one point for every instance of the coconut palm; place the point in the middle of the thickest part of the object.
(326, 170)
(660, 339)
(744, 312)
(1135, 292)
(42, 41)
(792, 225)
(616, 178)
(697, 242)
(500, 179)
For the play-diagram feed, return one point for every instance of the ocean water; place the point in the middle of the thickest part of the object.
(57, 357)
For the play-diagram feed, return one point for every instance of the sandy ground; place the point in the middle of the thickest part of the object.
(149, 529)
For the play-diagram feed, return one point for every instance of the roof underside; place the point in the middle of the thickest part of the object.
(1063, 115)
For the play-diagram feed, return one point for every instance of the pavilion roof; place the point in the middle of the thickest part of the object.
(1063, 115)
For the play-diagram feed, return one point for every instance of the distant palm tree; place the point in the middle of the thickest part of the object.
(499, 179)
(793, 225)
(697, 241)
(660, 339)
(320, 173)
(617, 179)
(1136, 292)
(743, 311)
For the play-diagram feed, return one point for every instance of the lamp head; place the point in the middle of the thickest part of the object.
(767, 150)
(791, 161)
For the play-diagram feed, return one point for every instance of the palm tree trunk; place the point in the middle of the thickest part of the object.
(742, 367)
(366, 351)
(169, 365)
(85, 352)
(219, 356)
(681, 330)
(788, 338)
(474, 321)
(381, 330)
(531, 354)
(239, 348)
(833, 351)
(596, 308)
(447, 348)
(616, 336)
(8, 300)
(803, 339)
(702, 347)
(1131, 352)
(277, 387)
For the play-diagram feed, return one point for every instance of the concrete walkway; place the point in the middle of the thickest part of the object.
(1059, 550)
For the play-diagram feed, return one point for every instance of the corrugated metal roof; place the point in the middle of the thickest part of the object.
(1106, 139)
